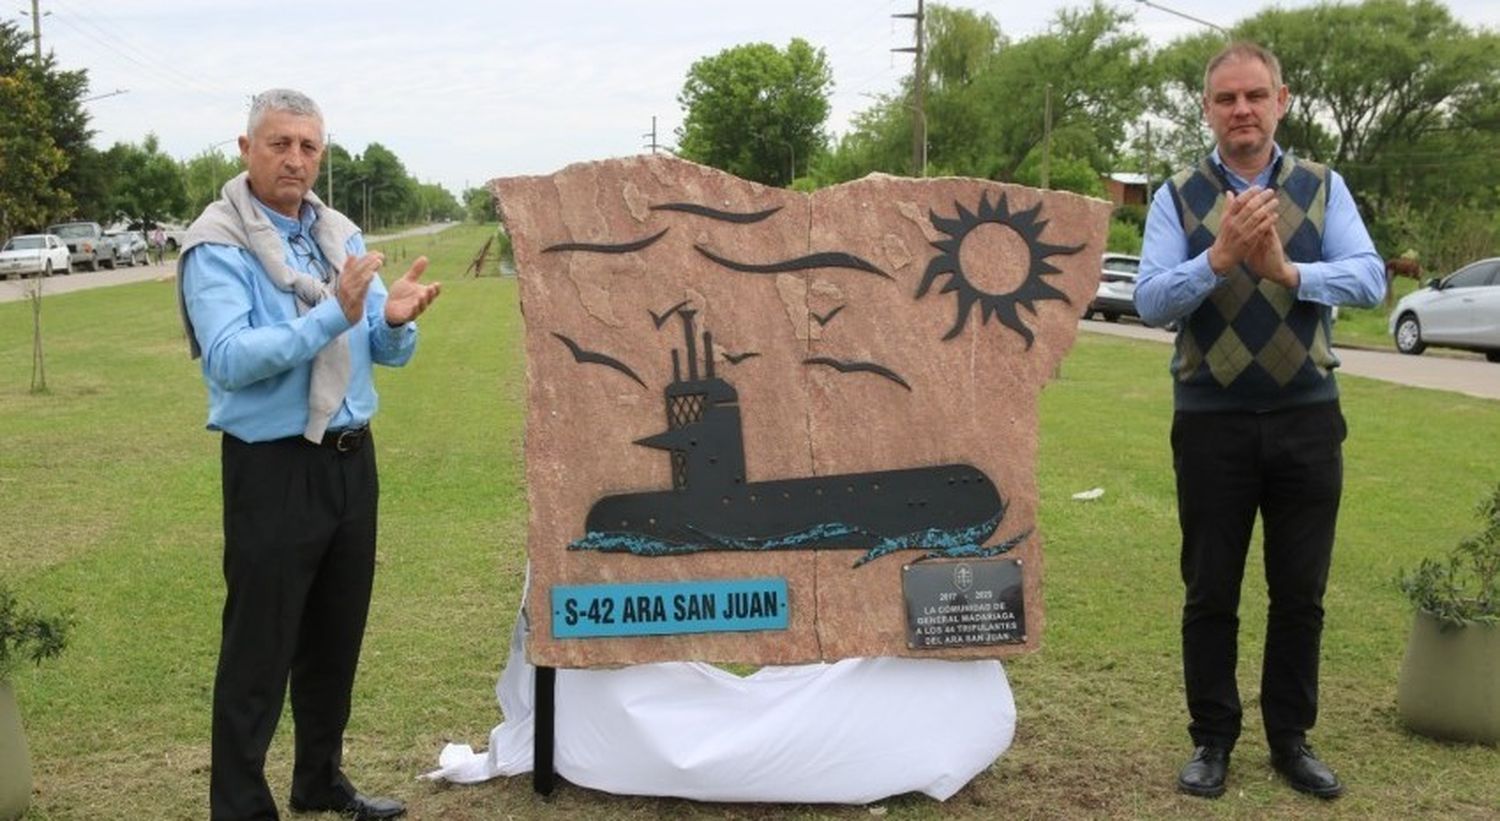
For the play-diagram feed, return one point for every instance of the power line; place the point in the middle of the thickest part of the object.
(1200, 21)
(84, 25)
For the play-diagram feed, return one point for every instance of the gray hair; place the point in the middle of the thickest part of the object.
(281, 99)
(1244, 50)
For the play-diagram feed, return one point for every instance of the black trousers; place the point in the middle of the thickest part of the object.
(1288, 467)
(299, 562)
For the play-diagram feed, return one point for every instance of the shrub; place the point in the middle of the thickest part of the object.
(1465, 588)
(26, 634)
(1124, 237)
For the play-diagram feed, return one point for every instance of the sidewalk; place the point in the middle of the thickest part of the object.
(15, 290)
(1471, 376)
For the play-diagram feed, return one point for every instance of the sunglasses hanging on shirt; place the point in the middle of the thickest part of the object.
(303, 251)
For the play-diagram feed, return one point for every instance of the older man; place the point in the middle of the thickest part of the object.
(288, 313)
(1249, 251)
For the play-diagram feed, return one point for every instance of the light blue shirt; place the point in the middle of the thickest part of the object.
(1171, 285)
(257, 352)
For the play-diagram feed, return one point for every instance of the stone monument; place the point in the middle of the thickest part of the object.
(771, 427)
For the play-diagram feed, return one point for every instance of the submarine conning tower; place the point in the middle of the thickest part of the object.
(704, 434)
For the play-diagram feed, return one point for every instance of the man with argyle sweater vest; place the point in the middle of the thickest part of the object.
(1248, 252)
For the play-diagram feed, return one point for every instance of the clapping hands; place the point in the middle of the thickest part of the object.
(1248, 235)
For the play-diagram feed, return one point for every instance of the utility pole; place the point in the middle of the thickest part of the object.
(919, 82)
(653, 145)
(328, 155)
(1047, 139)
(1149, 159)
(36, 30)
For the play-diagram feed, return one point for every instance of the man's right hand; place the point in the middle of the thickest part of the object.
(354, 283)
(1248, 217)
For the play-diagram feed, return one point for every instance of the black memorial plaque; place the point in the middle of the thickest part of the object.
(965, 603)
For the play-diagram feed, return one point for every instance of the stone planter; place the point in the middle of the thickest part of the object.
(15, 764)
(1450, 682)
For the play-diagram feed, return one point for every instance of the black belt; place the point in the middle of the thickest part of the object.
(347, 440)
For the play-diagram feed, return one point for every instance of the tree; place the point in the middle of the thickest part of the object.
(79, 181)
(1067, 173)
(479, 205)
(962, 45)
(987, 96)
(1092, 66)
(1391, 75)
(390, 195)
(756, 111)
(346, 189)
(145, 184)
(29, 161)
(436, 203)
(1400, 72)
(204, 175)
(879, 140)
(1404, 102)
(1176, 97)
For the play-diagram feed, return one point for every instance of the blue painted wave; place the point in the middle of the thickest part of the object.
(939, 543)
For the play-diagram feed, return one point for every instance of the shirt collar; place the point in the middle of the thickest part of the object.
(1240, 183)
(285, 225)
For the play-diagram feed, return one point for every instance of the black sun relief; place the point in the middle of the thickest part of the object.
(1003, 306)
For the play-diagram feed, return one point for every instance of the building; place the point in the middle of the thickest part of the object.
(1126, 188)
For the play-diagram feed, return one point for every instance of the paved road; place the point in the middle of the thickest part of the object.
(13, 289)
(421, 230)
(1469, 375)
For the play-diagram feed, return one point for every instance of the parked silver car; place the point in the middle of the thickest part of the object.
(130, 247)
(1116, 295)
(1461, 310)
(86, 244)
(44, 254)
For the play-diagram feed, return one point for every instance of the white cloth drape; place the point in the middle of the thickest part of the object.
(851, 732)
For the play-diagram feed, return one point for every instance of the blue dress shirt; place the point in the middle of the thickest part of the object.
(257, 352)
(1171, 285)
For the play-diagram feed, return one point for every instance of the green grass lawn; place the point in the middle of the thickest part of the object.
(109, 505)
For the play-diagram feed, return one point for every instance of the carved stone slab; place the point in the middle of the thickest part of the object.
(749, 408)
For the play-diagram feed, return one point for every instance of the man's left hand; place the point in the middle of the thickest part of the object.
(408, 297)
(1268, 261)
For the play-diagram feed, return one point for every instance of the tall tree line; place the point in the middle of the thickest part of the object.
(1399, 96)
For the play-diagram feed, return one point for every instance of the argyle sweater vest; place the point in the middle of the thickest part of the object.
(1252, 345)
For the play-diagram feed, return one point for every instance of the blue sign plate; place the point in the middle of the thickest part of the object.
(666, 608)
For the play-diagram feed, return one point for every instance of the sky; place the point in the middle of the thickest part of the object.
(464, 92)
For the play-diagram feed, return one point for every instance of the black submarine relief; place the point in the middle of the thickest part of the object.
(946, 510)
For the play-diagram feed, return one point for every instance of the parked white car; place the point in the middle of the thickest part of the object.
(44, 254)
(1462, 310)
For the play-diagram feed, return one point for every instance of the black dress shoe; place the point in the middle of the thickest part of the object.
(1306, 773)
(1204, 773)
(360, 808)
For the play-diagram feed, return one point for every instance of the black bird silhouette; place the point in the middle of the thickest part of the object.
(606, 248)
(593, 358)
(737, 358)
(715, 213)
(661, 319)
(828, 317)
(854, 367)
